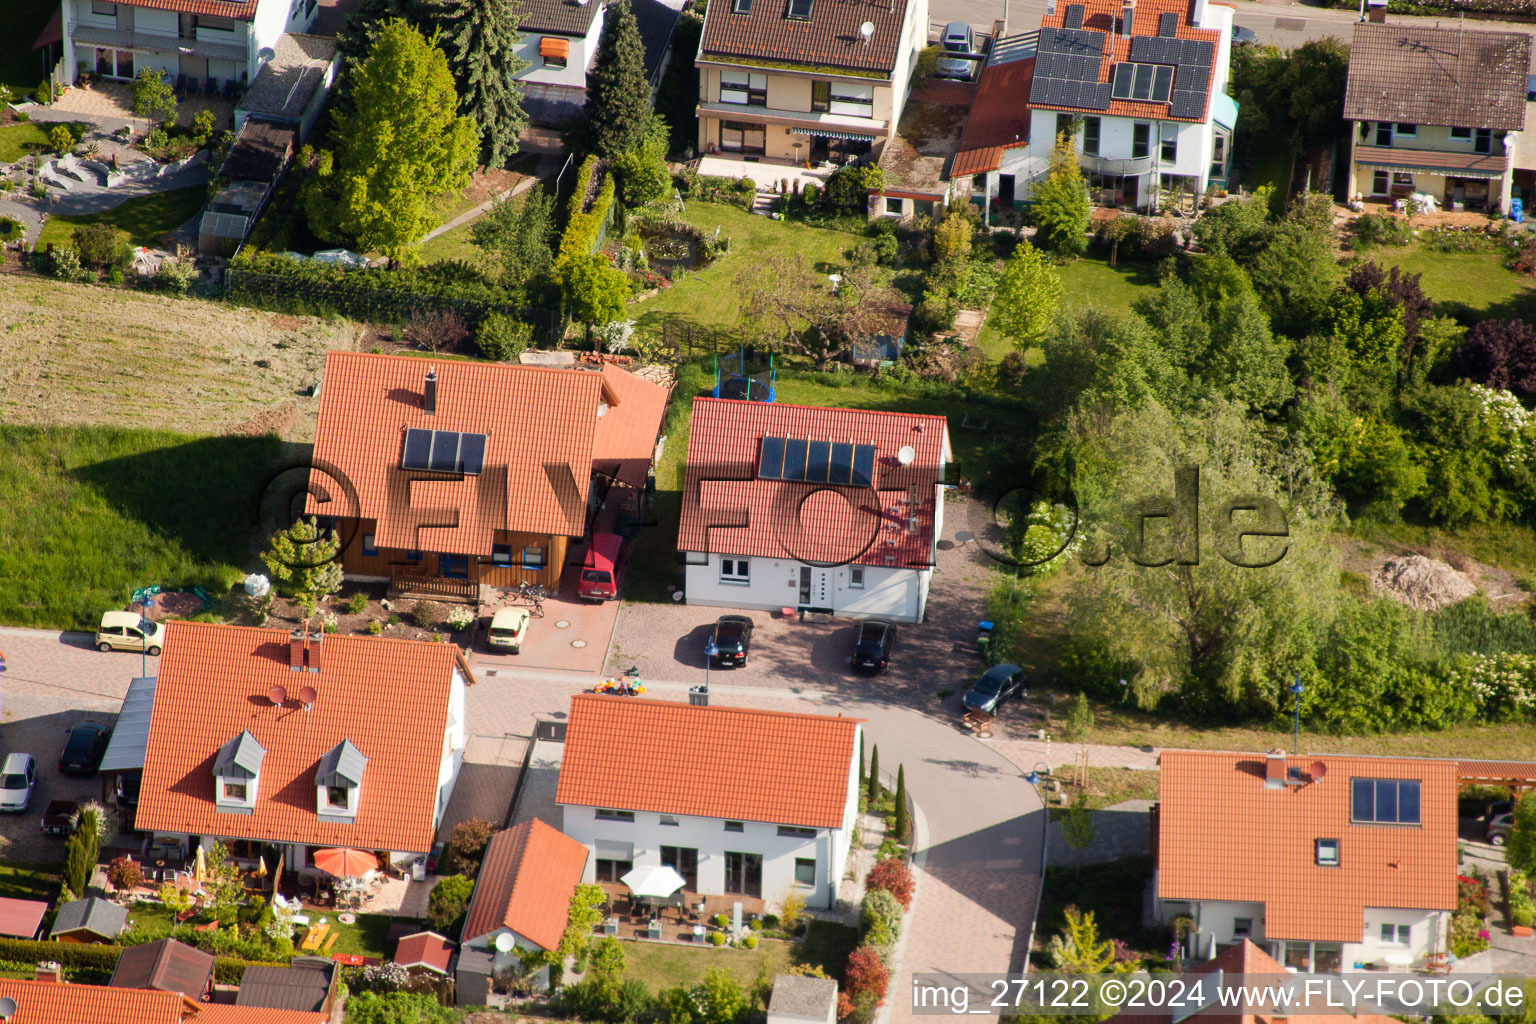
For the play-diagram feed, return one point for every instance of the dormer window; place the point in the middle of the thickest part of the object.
(338, 783)
(237, 774)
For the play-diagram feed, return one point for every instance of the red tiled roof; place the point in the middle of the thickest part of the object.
(240, 10)
(525, 884)
(1426, 74)
(544, 435)
(1239, 959)
(21, 918)
(1259, 849)
(1103, 16)
(830, 37)
(999, 118)
(714, 762)
(389, 697)
(47, 1002)
(427, 949)
(1473, 770)
(726, 509)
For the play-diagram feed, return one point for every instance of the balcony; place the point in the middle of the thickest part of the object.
(147, 42)
(1107, 165)
(803, 121)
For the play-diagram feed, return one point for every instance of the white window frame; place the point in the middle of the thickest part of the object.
(1242, 927)
(609, 814)
(244, 796)
(855, 99)
(855, 577)
(1163, 148)
(736, 571)
(805, 860)
(542, 561)
(1318, 855)
(898, 203)
(1386, 182)
(1144, 127)
(747, 88)
(1400, 934)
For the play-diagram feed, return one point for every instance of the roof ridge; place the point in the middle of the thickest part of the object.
(279, 632)
(822, 408)
(619, 701)
(469, 363)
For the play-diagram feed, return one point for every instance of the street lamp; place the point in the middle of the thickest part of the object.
(1298, 690)
(145, 625)
(1040, 772)
(711, 652)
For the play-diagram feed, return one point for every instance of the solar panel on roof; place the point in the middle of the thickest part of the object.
(863, 465)
(418, 449)
(1142, 89)
(1162, 83)
(1074, 18)
(1121, 85)
(770, 465)
(842, 464)
(445, 451)
(1187, 104)
(817, 462)
(1167, 23)
(794, 459)
(471, 453)
(1204, 50)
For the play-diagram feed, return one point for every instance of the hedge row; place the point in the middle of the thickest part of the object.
(713, 188)
(281, 283)
(1510, 10)
(84, 962)
(582, 226)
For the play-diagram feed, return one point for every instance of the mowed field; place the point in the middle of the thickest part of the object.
(77, 355)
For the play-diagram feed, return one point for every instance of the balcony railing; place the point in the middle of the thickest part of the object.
(90, 35)
(1106, 165)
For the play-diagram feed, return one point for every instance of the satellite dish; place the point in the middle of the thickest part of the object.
(505, 942)
(7, 1007)
(307, 695)
(1318, 771)
(265, 54)
(906, 455)
(866, 30)
(277, 695)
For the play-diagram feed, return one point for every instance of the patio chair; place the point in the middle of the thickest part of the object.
(211, 87)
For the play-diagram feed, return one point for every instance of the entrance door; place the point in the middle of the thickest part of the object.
(1130, 186)
(744, 874)
(685, 861)
(805, 584)
(1005, 186)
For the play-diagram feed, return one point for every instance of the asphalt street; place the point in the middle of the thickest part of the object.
(1281, 23)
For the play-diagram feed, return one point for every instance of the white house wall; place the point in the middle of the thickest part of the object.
(1426, 936)
(891, 592)
(914, 36)
(583, 49)
(266, 28)
(829, 848)
(454, 738)
(1215, 921)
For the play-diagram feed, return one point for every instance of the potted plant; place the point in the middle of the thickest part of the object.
(1522, 919)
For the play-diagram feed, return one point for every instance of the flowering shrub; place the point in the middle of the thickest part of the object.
(125, 873)
(1504, 686)
(866, 976)
(460, 619)
(615, 335)
(1471, 896)
(1508, 422)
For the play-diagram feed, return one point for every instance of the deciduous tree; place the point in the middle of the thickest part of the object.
(517, 236)
(403, 144)
(595, 292)
(1027, 297)
(1078, 949)
(1077, 825)
(153, 97)
(480, 38)
(618, 108)
(1499, 354)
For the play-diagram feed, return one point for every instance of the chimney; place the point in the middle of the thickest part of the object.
(429, 392)
(48, 970)
(315, 640)
(296, 641)
(1274, 769)
(1198, 17)
(1128, 18)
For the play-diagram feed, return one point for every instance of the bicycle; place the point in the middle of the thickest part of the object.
(534, 594)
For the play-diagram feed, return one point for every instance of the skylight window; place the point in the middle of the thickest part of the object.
(741, 6)
(1150, 82)
(799, 10)
(819, 462)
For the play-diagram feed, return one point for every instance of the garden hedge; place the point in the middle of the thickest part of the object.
(90, 963)
(583, 227)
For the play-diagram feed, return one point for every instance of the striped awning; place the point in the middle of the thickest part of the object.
(819, 133)
(554, 46)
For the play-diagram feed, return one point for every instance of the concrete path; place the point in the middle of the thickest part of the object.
(540, 172)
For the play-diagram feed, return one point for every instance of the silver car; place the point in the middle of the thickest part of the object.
(957, 38)
(18, 779)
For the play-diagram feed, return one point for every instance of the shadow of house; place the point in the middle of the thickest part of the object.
(271, 121)
(199, 495)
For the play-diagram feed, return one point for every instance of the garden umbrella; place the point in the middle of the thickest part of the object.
(653, 881)
(346, 863)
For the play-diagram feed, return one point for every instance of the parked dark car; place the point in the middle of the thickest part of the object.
(873, 648)
(996, 685)
(1499, 828)
(1496, 808)
(1243, 36)
(732, 637)
(59, 818)
(82, 751)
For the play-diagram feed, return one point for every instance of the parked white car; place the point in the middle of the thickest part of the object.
(18, 780)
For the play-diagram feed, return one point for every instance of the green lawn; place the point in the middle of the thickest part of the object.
(17, 140)
(1089, 281)
(1464, 284)
(451, 245)
(709, 298)
(663, 965)
(22, 67)
(91, 513)
(143, 221)
(366, 937)
(31, 881)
